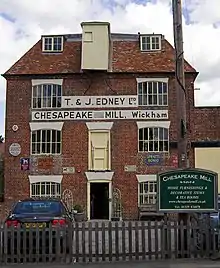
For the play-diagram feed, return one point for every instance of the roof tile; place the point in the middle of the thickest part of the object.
(126, 57)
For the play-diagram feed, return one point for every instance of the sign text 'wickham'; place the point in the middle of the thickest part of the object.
(100, 115)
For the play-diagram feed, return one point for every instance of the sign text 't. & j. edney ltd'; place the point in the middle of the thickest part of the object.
(119, 101)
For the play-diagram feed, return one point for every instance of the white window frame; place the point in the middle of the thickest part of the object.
(90, 166)
(41, 87)
(45, 184)
(143, 179)
(148, 129)
(158, 94)
(52, 39)
(51, 142)
(152, 37)
(149, 195)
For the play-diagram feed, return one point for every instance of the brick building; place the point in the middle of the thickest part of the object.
(2, 152)
(95, 114)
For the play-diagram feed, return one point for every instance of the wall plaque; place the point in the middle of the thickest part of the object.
(68, 170)
(25, 164)
(15, 149)
(130, 168)
(154, 159)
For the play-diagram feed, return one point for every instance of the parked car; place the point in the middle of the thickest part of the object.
(32, 225)
(207, 232)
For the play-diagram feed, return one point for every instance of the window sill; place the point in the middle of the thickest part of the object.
(52, 52)
(46, 155)
(102, 170)
(151, 51)
(152, 152)
(146, 205)
(45, 108)
(152, 105)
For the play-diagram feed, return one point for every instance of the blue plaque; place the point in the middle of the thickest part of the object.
(153, 159)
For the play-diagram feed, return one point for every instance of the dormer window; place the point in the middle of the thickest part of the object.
(52, 43)
(150, 42)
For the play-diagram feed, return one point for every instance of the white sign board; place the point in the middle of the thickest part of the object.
(100, 101)
(100, 115)
(15, 149)
(68, 170)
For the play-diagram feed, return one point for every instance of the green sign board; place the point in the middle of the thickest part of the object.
(187, 190)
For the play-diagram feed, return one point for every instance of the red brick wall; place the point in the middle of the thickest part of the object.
(124, 137)
(17, 113)
(206, 124)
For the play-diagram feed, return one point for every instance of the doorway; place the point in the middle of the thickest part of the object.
(99, 200)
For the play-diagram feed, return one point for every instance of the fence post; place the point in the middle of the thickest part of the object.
(166, 236)
(163, 240)
(1, 243)
(188, 229)
(182, 237)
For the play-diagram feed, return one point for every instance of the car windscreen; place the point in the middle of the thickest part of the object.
(38, 207)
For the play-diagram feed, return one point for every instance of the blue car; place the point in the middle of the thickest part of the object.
(32, 224)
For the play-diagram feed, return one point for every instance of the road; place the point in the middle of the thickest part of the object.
(148, 264)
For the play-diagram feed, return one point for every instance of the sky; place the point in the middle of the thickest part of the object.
(23, 22)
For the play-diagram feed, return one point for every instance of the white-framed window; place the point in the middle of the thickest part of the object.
(99, 150)
(153, 139)
(46, 141)
(52, 43)
(147, 192)
(46, 96)
(150, 42)
(45, 189)
(152, 93)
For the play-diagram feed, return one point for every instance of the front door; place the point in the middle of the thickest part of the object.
(99, 200)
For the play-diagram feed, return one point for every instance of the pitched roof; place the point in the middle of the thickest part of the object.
(126, 57)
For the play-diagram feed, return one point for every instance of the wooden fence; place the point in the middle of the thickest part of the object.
(107, 241)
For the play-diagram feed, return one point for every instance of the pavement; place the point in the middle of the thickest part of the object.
(147, 264)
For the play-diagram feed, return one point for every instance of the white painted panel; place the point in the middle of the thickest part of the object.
(100, 115)
(100, 159)
(46, 125)
(36, 82)
(100, 139)
(154, 79)
(164, 124)
(208, 158)
(99, 150)
(95, 54)
(99, 125)
(45, 178)
(99, 164)
(99, 176)
(99, 101)
(144, 178)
